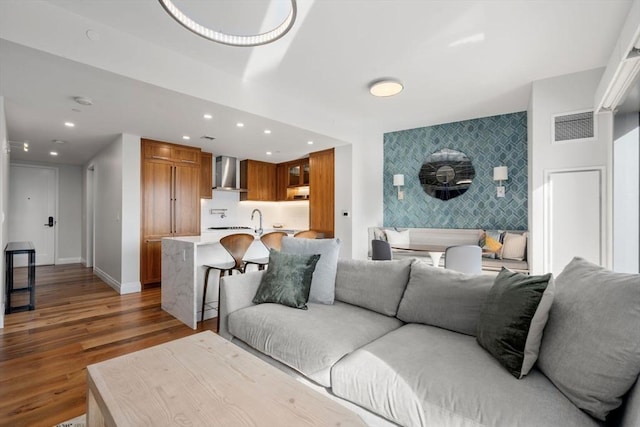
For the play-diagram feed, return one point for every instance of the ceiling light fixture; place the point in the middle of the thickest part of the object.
(231, 39)
(53, 153)
(310, 142)
(69, 124)
(240, 125)
(186, 137)
(385, 87)
(59, 141)
(267, 131)
(208, 116)
(269, 153)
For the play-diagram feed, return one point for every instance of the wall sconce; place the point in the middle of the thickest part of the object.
(500, 173)
(398, 181)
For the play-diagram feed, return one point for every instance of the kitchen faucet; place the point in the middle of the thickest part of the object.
(259, 230)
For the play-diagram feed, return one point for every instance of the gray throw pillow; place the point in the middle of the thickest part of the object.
(287, 280)
(513, 318)
(444, 298)
(590, 349)
(323, 284)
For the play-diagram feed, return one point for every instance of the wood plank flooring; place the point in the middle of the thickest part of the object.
(79, 320)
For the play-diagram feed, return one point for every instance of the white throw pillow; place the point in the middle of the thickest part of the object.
(323, 283)
(514, 246)
(397, 237)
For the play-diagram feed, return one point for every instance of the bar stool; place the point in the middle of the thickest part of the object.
(307, 234)
(236, 245)
(271, 240)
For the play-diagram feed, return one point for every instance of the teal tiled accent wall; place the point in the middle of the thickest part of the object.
(488, 142)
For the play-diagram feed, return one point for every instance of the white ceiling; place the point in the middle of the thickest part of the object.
(309, 85)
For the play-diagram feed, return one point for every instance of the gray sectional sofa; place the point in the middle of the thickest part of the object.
(399, 342)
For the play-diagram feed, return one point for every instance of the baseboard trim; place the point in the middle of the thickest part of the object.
(76, 260)
(121, 288)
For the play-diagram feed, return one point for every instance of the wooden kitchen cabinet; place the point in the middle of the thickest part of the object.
(259, 178)
(206, 175)
(282, 181)
(298, 173)
(322, 192)
(170, 201)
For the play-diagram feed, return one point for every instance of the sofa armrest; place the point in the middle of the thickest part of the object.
(236, 292)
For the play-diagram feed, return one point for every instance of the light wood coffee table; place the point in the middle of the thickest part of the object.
(203, 380)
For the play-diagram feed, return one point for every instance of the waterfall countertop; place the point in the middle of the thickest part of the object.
(183, 260)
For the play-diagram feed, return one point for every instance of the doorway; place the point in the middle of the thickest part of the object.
(32, 213)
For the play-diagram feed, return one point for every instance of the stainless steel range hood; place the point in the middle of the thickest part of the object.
(227, 174)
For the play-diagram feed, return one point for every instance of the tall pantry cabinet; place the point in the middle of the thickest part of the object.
(170, 201)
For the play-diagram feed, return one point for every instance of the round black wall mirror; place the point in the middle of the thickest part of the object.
(446, 174)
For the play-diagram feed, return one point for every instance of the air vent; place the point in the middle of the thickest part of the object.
(574, 127)
(207, 137)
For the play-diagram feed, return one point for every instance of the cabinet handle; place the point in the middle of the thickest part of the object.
(152, 240)
(188, 161)
(160, 157)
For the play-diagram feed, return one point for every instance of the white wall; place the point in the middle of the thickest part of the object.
(557, 95)
(130, 214)
(343, 199)
(116, 175)
(4, 198)
(626, 193)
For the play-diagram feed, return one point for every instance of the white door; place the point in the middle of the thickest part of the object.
(32, 200)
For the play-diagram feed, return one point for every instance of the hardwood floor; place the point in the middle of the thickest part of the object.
(79, 320)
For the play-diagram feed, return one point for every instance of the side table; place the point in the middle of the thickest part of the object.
(15, 248)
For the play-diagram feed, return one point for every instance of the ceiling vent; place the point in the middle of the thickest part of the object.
(574, 127)
(207, 137)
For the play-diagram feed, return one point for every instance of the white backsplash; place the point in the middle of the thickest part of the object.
(292, 215)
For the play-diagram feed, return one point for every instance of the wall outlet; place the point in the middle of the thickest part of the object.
(345, 213)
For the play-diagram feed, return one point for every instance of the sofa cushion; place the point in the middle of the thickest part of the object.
(590, 348)
(420, 375)
(491, 243)
(323, 282)
(375, 285)
(287, 280)
(312, 340)
(513, 318)
(444, 298)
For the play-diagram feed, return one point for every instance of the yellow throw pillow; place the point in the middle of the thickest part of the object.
(492, 245)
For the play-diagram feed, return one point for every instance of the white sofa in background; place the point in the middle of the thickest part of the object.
(449, 237)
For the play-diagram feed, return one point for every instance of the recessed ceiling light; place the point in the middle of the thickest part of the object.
(59, 141)
(310, 142)
(186, 137)
(69, 124)
(53, 153)
(240, 125)
(208, 116)
(92, 35)
(269, 153)
(267, 131)
(386, 87)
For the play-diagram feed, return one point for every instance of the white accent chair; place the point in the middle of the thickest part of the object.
(464, 258)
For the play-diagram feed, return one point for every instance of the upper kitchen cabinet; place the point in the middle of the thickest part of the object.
(322, 192)
(170, 188)
(298, 173)
(206, 175)
(259, 178)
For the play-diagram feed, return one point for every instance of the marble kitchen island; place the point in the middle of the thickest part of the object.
(183, 272)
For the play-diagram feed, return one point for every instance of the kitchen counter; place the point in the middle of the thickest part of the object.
(183, 272)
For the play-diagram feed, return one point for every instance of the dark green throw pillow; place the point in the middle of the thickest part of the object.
(287, 280)
(513, 318)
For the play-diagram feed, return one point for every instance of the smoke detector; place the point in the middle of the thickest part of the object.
(82, 100)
